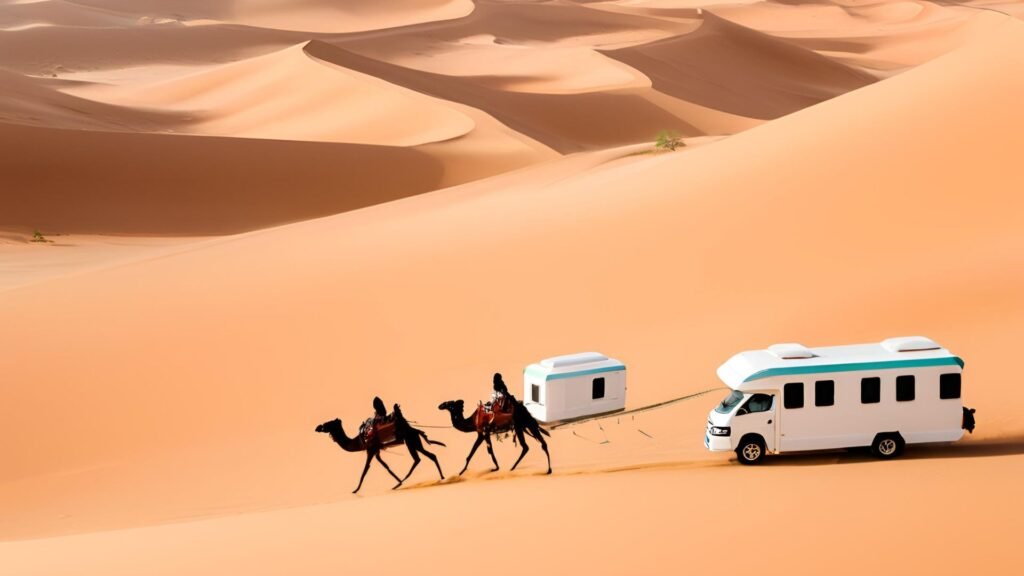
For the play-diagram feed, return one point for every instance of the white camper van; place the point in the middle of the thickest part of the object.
(886, 395)
(574, 386)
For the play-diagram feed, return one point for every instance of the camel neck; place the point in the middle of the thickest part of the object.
(349, 444)
(460, 422)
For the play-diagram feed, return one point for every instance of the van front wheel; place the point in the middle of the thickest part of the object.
(887, 446)
(751, 450)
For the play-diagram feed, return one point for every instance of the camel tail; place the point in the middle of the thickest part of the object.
(531, 421)
(429, 441)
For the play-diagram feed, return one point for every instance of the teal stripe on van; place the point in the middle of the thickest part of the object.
(854, 367)
(579, 373)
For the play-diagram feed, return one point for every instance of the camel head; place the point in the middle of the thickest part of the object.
(452, 406)
(328, 427)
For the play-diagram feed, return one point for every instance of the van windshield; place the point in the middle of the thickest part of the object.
(729, 402)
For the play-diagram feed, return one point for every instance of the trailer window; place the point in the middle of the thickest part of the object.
(824, 393)
(598, 389)
(535, 393)
(904, 388)
(793, 395)
(949, 386)
(870, 390)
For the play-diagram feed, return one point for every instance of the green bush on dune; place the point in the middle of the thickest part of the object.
(668, 140)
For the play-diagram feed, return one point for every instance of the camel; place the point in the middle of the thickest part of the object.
(484, 424)
(404, 433)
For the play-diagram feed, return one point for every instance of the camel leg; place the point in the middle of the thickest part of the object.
(433, 458)
(490, 450)
(415, 463)
(522, 442)
(479, 440)
(369, 456)
(544, 445)
(386, 467)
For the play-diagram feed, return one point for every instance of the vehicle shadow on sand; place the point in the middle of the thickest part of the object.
(990, 447)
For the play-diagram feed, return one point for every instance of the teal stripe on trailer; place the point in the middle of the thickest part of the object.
(854, 367)
(580, 373)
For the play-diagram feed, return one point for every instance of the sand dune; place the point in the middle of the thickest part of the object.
(537, 68)
(528, 68)
(153, 184)
(24, 262)
(299, 15)
(500, 279)
(16, 16)
(740, 70)
(37, 102)
(565, 122)
(320, 102)
(49, 50)
(565, 23)
(65, 181)
(289, 181)
(882, 38)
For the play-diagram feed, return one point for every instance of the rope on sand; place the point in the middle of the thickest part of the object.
(592, 441)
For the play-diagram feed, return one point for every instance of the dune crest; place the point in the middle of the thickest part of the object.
(740, 70)
(881, 38)
(315, 16)
(293, 95)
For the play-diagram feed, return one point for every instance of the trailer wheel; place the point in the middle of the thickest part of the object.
(751, 449)
(886, 446)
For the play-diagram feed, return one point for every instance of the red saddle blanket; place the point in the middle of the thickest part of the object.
(382, 432)
(486, 417)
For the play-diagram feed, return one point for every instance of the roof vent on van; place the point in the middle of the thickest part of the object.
(909, 344)
(573, 359)
(790, 351)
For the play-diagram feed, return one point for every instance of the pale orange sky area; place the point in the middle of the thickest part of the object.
(260, 214)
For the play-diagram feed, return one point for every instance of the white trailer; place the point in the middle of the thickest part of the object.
(574, 386)
(885, 395)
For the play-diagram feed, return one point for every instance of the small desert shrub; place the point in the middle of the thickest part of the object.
(668, 140)
(37, 236)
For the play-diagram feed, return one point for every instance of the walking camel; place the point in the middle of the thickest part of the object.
(382, 438)
(520, 422)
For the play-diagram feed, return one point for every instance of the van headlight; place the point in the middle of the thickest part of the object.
(720, 430)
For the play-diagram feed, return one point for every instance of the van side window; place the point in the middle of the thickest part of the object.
(535, 393)
(949, 386)
(758, 403)
(904, 388)
(793, 395)
(598, 390)
(870, 390)
(825, 393)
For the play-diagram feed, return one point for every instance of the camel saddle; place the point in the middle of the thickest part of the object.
(493, 417)
(380, 431)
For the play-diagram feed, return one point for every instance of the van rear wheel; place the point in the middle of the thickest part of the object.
(751, 450)
(887, 446)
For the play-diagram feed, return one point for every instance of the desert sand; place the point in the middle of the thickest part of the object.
(265, 213)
